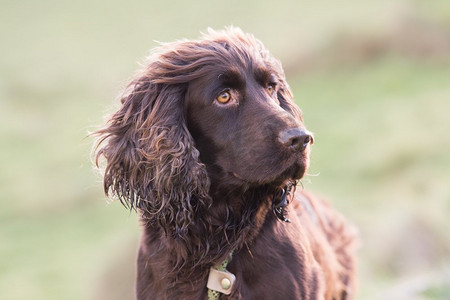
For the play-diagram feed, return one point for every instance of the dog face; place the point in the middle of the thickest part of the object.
(243, 120)
(211, 111)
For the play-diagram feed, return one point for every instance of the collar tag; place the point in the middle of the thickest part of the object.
(220, 281)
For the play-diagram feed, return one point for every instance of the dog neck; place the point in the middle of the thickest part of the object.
(240, 215)
(233, 222)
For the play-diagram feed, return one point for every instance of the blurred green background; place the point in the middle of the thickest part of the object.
(373, 80)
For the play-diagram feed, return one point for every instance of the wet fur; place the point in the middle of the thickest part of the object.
(203, 177)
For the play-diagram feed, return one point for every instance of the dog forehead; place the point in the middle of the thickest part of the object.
(232, 76)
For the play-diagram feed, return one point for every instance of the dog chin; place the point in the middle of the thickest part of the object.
(294, 172)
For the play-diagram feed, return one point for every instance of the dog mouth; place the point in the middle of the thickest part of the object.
(294, 172)
(274, 172)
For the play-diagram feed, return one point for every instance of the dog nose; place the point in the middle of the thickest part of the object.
(296, 139)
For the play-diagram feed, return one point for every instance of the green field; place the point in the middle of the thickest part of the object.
(373, 81)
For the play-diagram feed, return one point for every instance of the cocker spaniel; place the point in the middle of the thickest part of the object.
(208, 146)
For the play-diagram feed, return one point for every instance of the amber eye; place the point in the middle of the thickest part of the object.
(224, 97)
(270, 88)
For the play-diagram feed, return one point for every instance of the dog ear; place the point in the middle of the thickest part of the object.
(151, 162)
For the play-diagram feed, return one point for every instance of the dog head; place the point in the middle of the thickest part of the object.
(214, 110)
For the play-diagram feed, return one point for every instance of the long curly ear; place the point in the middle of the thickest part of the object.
(151, 162)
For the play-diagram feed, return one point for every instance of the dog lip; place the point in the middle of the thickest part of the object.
(299, 172)
(293, 168)
(294, 171)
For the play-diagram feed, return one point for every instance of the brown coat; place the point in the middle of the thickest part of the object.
(205, 141)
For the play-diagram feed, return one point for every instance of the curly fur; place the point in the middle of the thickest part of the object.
(194, 212)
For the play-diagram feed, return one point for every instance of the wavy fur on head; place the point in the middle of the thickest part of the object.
(152, 163)
(204, 175)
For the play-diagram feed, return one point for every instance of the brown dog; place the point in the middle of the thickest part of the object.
(208, 146)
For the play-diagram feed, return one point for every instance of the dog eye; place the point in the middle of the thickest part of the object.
(271, 88)
(224, 97)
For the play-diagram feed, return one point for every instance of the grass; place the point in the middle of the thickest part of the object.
(381, 126)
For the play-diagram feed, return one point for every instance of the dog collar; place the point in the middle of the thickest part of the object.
(220, 280)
